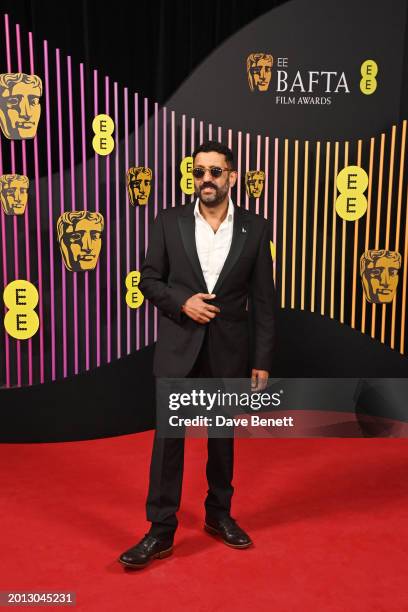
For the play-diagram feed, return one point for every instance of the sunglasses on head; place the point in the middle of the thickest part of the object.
(215, 171)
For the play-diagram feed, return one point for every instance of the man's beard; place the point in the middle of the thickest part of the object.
(213, 199)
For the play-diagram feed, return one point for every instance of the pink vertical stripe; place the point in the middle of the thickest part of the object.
(62, 209)
(230, 139)
(247, 161)
(137, 216)
(85, 207)
(173, 159)
(26, 216)
(38, 228)
(192, 146)
(258, 167)
(98, 273)
(117, 198)
(146, 211)
(15, 221)
(201, 132)
(266, 186)
(156, 190)
(4, 261)
(210, 131)
(239, 163)
(183, 150)
(108, 242)
(127, 206)
(275, 199)
(219, 133)
(50, 211)
(164, 144)
(73, 207)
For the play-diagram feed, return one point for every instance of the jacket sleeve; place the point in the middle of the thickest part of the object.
(154, 274)
(262, 305)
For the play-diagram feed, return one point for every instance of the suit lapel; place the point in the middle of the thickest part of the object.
(239, 236)
(186, 223)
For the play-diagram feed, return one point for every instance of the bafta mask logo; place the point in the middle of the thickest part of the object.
(139, 182)
(254, 181)
(259, 71)
(80, 239)
(14, 193)
(379, 275)
(20, 107)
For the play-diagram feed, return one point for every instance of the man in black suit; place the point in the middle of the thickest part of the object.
(208, 269)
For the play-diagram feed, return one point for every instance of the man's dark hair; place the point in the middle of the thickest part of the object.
(212, 146)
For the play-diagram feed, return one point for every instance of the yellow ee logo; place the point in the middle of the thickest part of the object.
(103, 127)
(134, 297)
(369, 71)
(273, 249)
(351, 204)
(21, 320)
(187, 181)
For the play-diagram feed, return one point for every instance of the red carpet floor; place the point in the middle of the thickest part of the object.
(329, 519)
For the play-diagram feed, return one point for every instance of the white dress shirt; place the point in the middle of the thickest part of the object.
(213, 247)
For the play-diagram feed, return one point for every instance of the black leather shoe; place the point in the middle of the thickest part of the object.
(230, 532)
(146, 550)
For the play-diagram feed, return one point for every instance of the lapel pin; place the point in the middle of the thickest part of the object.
(243, 230)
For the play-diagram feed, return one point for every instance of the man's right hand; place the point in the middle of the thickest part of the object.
(198, 310)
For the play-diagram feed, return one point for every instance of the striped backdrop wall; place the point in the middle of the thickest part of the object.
(84, 319)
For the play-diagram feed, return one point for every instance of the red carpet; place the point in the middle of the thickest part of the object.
(329, 519)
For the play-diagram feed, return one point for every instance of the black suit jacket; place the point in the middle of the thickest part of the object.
(242, 335)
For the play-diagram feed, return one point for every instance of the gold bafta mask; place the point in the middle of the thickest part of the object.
(259, 71)
(379, 275)
(139, 181)
(14, 193)
(80, 239)
(254, 181)
(20, 107)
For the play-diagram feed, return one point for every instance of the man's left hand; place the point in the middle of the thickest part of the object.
(259, 379)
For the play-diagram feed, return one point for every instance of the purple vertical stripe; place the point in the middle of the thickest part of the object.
(108, 242)
(38, 227)
(98, 273)
(85, 207)
(117, 196)
(62, 208)
(127, 205)
(50, 211)
(73, 207)
(137, 229)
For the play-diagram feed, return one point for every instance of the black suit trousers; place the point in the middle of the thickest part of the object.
(167, 464)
